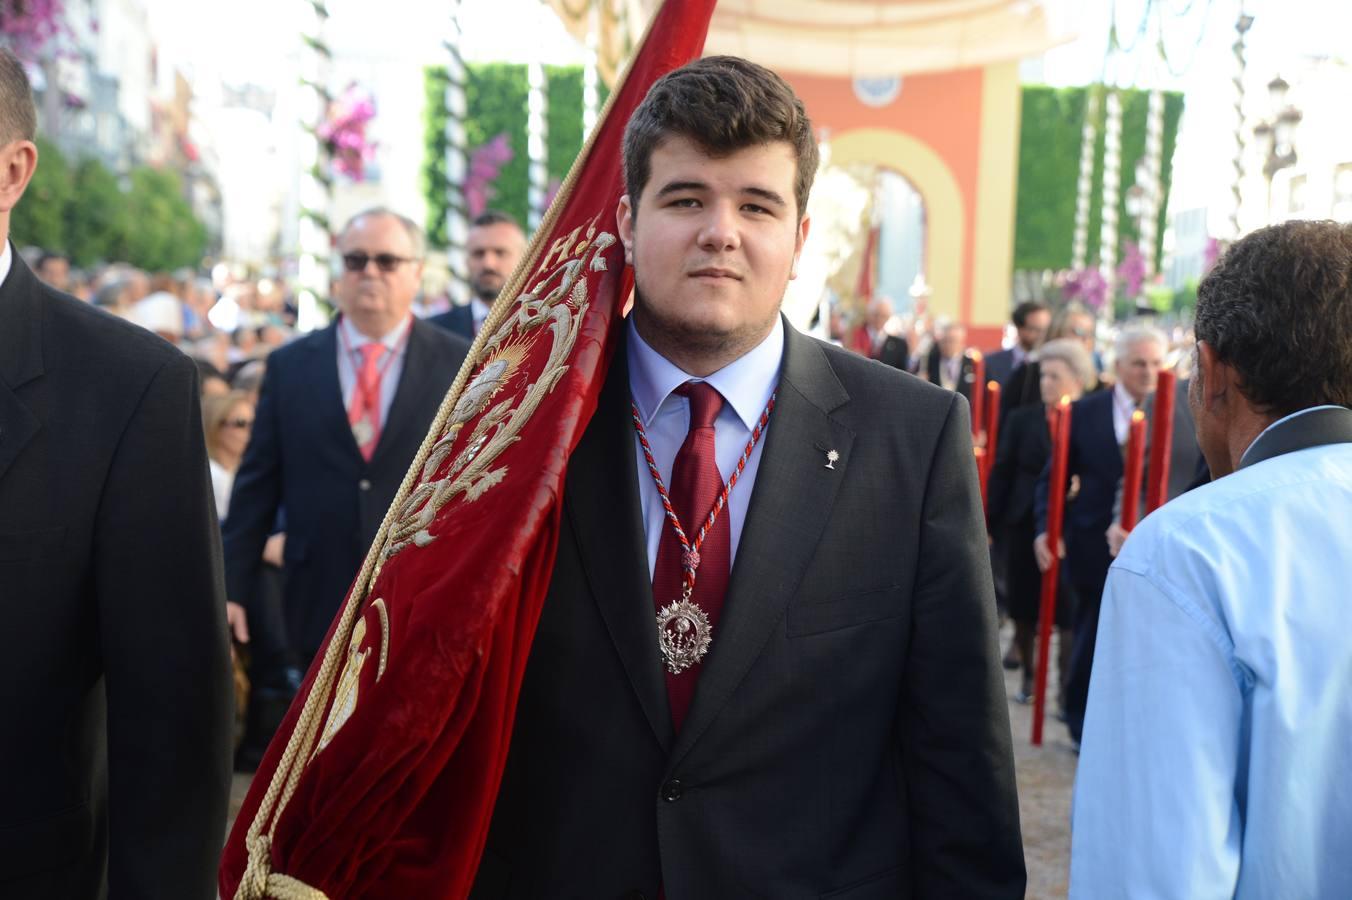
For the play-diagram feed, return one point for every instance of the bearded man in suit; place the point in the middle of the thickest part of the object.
(116, 666)
(807, 699)
(492, 249)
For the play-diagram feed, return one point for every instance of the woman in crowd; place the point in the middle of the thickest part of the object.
(1066, 370)
(227, 419)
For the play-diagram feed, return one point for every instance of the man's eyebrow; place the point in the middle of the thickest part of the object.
(677, 187)
(765, 194)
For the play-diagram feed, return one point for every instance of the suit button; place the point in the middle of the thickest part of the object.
(363, 485)
(671, 791)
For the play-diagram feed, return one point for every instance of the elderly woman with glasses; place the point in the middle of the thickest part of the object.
(1065, 370)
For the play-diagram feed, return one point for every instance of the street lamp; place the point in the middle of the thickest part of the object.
(1276, 134)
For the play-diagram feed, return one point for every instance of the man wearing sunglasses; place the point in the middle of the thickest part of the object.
(340, 416)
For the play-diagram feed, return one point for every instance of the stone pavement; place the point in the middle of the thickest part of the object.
(1045, 776)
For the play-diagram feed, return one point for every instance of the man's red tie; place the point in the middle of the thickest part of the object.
(366, 397)
(695, 485)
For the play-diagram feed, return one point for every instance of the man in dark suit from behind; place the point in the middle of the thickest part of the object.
(492, 249)
(1099, 424)
(1031, 320)
(117, 704)
(341, 413)
(847, 732)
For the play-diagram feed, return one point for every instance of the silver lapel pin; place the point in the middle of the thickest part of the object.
(831, 458)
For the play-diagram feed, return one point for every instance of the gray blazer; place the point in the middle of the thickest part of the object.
(849, 735)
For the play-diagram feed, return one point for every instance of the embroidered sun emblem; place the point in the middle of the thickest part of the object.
(493, 377)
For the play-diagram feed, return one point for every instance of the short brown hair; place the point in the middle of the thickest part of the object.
(1278, 309)
(18, 114)
(723, 104)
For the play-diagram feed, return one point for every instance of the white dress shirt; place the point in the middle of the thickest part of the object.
(746, 385)
(478, 311)
(1219, 724)
(350, 342)
(1123, 406)
(6, 261)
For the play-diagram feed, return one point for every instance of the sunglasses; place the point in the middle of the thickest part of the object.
(237, 423)
(385, 262)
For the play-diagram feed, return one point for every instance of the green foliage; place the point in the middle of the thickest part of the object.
(1049, 166)
(167, 235)
(39, 217)
(97, 225)
(435, 117)
(496, 99)
(82, 211)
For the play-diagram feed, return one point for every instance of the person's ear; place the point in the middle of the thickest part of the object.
(1219, 380)
(18, 162)
(799, 240)
(624, 222)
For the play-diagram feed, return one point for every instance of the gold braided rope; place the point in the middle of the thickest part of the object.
(259, 881)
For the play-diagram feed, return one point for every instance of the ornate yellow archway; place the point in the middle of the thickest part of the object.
(934, 181)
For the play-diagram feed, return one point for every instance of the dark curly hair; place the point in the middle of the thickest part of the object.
(1278, 308)
(723, 104)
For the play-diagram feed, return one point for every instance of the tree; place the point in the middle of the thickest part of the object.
(97, 219)
(39, 218)
(166, 234)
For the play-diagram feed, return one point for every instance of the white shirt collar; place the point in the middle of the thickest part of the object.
(6, 261)
(1287, 418)
(1124, 400)
(746, 383)
(390, 339)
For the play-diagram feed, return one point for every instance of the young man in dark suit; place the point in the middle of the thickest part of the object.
(1031, 320)
(492, 249)
(811, 701)
(340, 416)
(117, 705)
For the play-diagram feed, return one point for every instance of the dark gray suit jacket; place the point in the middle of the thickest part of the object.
(849, 734)
(116, 705)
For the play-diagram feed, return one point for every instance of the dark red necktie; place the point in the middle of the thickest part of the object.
(695, 485)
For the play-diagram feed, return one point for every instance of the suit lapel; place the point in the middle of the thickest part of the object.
(329, 396)
(792, 500)
(410, 395)
(21, 317)
(602, 503)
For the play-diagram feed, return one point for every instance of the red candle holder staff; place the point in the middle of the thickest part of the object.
(1161, 443)
(1131, 478)
(1059, 425)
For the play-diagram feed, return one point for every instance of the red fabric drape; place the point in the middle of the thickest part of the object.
(394, 796)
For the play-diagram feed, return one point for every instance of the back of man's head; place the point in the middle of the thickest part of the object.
(723, 104)
(1277, 308)
(1026, 309)
(18, 115)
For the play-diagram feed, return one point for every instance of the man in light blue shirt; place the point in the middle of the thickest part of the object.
(1219, 726)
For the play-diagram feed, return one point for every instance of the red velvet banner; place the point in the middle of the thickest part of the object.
(382, 779)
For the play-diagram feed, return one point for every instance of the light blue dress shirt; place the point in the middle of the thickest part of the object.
(1217, 754)
(746, 385)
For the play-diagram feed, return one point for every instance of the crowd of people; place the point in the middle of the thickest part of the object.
(868, 750)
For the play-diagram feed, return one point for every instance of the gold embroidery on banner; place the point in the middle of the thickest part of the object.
(555, 311)
(345, 693)
(384, 636)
